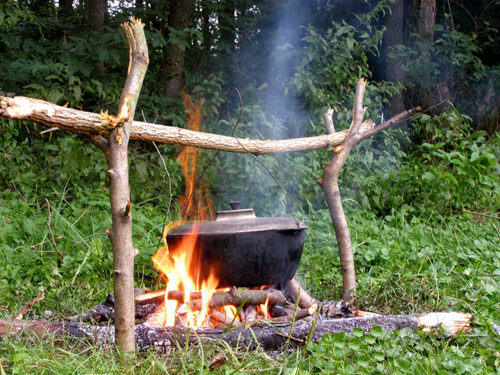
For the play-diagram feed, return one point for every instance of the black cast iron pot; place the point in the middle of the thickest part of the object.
(244, 250)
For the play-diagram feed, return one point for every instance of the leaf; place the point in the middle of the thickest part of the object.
(377, 331)
(474, 156)
(357, 332)
(54, 95)
(29, 226)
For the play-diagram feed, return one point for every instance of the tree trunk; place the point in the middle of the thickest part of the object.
(179, 18)
(94, 13)
(394, 35)
(207, 35)
(423, 18)
(227, 27)
(41, 5)
(66, 6)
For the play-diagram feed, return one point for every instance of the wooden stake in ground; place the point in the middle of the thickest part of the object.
(330, 182)
(121, 231)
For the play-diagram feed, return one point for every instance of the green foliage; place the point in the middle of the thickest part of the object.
(404, 352)
(411, 253)
(333, 62)
(453, 169)
(406, 264)
(450, 68)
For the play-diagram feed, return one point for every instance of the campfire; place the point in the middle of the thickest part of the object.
(193, 298)
(199, 265)
(228, 279)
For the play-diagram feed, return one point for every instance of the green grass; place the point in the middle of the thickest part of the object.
(405, 264)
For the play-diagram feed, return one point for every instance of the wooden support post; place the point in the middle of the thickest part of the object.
(121, 231)
(330, 181)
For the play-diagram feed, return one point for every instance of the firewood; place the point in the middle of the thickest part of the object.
(251, 312)
(297, 291)
(298, 315)
(221, 317)
(237, 297)
(178, 295)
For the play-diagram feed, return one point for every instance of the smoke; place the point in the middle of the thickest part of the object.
(277, 101)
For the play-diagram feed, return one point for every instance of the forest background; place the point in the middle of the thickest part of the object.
(408, 192)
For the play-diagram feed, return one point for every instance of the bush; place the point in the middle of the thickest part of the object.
(453, 169)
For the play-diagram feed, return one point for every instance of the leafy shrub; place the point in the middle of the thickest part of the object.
(450, 67)
(454, 168)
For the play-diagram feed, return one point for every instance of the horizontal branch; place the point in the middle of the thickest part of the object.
(72, 120)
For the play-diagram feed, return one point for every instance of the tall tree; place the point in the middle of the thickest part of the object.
(394, 35)
(94, 13)
(179, 18)
(41, 5)
(66, 6)
(422, 19)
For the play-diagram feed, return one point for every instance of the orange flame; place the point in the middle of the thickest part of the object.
(263, 309)
(180, 266)
(196, 205)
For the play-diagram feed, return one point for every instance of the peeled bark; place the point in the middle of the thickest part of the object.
(330, 184)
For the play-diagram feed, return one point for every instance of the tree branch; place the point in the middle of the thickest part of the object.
(51, 115)
(331, 189)
(392, 121)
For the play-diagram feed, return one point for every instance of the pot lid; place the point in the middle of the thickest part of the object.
(239, 221)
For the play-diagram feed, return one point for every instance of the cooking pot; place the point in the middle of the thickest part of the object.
(243, 250)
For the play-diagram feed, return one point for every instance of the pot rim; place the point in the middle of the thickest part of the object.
(247, 225)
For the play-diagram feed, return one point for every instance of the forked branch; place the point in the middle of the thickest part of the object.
(330, 183)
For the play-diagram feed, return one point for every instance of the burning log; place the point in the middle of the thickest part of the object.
(236, 297)
(296, 315)
(268, 336)
(105, 311)
(251, 313)
(297, 292)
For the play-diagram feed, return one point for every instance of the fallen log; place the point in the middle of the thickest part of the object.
(269, 337)
(72, 120)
